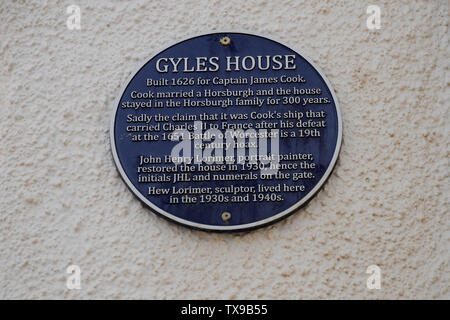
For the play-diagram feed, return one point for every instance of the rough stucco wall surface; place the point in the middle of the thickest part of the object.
(62, 201)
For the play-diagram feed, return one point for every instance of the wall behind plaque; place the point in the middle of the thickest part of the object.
(63, 202)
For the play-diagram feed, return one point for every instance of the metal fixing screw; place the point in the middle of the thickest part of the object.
(226, 216)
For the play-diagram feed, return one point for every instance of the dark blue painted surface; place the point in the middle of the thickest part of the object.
(322, 148)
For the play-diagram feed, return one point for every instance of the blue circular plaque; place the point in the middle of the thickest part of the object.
(226, 131)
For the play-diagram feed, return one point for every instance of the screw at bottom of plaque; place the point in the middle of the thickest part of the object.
(226, 216)
(225, 41)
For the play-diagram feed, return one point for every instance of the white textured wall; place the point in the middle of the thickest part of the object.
(62, 201)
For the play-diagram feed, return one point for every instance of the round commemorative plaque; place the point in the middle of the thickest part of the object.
(226, 131)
